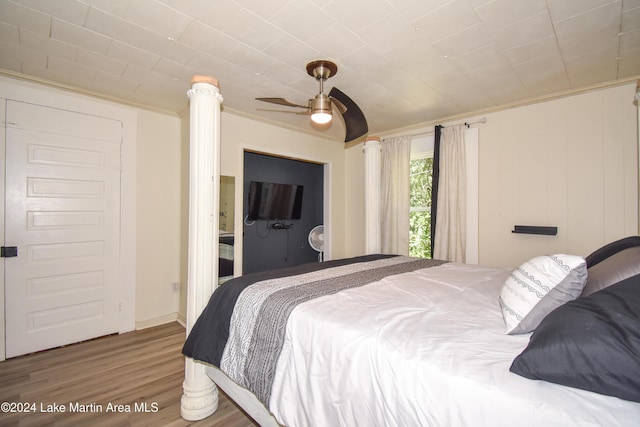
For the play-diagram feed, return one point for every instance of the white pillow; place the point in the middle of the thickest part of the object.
(539, 286)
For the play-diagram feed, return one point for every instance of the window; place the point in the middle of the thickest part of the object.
(421, 175)
(420, 180)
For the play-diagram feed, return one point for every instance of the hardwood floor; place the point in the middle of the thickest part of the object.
(132, 369)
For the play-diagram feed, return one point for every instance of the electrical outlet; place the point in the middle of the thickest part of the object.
(176, 286)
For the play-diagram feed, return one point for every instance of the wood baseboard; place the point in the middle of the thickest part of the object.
(182, 320)
(157, 321)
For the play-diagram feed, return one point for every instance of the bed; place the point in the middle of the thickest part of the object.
(441, 344)
(389, 340)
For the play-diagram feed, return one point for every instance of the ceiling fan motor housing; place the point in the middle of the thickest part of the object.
(321, 108)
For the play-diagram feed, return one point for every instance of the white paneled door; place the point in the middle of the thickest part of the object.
(62, 213)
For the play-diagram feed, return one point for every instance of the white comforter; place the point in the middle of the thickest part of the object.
(425, 348)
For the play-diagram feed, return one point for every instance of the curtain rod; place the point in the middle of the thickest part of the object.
(467, 124)
(480, 120)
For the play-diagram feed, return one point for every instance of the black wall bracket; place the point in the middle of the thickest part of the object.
(280, 226)
(535, 229)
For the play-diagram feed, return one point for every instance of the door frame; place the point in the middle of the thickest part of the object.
(3, 151)
(35, 93)
(239, 207)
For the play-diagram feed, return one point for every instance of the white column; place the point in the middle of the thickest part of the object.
(372, 195)
(200, 395)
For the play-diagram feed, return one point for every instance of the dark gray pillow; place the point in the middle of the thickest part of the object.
(614, 269)
(591, 343)
(612, 248)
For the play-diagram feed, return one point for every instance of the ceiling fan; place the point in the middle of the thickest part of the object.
(320, 107)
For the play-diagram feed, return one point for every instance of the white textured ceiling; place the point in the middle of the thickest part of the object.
(404, 62)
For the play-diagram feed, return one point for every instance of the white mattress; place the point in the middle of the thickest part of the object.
(425, 348)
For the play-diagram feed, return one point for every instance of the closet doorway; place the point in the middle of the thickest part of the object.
(269, 241)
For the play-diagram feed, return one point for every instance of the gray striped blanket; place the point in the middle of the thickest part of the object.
(260, 315)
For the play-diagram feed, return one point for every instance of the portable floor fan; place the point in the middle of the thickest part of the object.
(316, 240)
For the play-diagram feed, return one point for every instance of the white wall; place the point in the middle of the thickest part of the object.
(354, 187)
(158, 218)
(570, 162)
(238, 134)
(162, 194)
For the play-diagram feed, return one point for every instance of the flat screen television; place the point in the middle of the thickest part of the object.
(272, 201)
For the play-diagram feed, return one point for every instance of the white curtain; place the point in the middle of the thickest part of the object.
(451, 223)
(394, 200)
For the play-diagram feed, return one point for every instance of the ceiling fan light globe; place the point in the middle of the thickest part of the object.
(321, 118)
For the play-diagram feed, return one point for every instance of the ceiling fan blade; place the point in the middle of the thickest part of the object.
(339, 105)
(282, 101)
(354, 119)
(298, 113)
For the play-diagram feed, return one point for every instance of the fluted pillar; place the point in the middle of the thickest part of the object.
(372, 194)
(200, 395)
